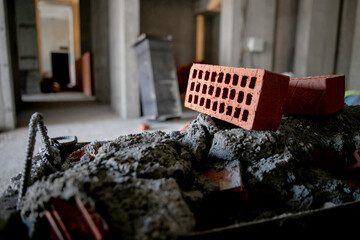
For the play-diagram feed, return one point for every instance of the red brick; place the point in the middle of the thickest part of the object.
(357, 158)
(184, 128)
(320, 95)
(249, 98)
(227, 178)
(144, 126)
(77, 155)
(86, 74)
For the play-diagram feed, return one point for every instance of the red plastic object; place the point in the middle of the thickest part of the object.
(321, 95)
(249, 98)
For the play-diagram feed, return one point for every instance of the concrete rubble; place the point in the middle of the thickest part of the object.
(151, 185)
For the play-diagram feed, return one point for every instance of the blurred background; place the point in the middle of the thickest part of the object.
(84, 49)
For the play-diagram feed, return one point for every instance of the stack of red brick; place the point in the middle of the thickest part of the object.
(257, 98)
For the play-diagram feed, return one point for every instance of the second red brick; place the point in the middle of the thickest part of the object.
(321, 95)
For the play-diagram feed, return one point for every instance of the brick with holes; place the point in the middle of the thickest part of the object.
(249, 98)
(320, 95)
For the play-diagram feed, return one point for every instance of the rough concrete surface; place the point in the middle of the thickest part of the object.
(85, 119)
(150, 185)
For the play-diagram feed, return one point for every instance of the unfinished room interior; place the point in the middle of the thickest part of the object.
(179, 119)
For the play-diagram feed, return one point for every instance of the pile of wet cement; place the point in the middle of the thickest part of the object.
(151, 186)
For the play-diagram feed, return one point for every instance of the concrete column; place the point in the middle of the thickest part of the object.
(354, 73)
(285, 35)
(316, 37)
(240, 20)
(100, 49)
(7, 100)
(85, 25)
(232, 20)
(27, 45)
(346, 38)
(212, 29)
(124, 25)
(13, 52)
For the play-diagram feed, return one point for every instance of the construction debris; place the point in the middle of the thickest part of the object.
(157, 185)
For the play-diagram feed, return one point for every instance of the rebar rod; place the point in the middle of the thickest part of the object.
(36, 123)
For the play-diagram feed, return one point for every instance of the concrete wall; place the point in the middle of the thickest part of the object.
(100, 49)
(346, 38)
(240, 20)
(307, 37)
(7, 100)
(175, 18)
(85, 25)
(285, 32)
(124, 23)
(13, 51)
(27, 45)
(354, 72)
(260, 23)
(316, 37)
(212, 36)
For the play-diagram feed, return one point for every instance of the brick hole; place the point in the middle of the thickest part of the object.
(207, 74)
(248, 99)
(211, 90)
(227, 78)
(229, 110)
(217, 93)
(245, 115)
(220, 78)
(204, 89)
(192, 86)
(232, 94)
(200, 74)
(243, 81)
(197, 87)
(214, 107)
(225, 93)
(208, 103)
(194, 73)
(202, 101)
(240, 97)
(222, 108)
(237, 112)
(196, 98)
(252, 82)
(190, 98)
(235, 79)
(213, 76)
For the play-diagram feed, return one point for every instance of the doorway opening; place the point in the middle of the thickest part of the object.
(58, 28)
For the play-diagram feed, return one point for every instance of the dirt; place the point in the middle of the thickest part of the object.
(151, 185)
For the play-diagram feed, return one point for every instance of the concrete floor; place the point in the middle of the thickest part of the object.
(70, 114)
